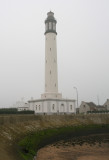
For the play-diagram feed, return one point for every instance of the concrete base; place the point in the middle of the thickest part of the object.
(51, 95)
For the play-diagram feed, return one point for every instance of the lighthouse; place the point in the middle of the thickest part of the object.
(51, 70)
(51, 101)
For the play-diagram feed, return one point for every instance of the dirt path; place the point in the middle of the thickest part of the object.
(77, 152)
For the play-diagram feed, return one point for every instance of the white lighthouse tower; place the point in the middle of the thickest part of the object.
(51, 101)
(51, 74)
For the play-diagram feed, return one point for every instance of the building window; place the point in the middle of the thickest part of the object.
(50, 49)
(53, 106)
(71, 107)
(36, 107)
(50, 71)
(55, 84)
(62, 108)
(39, 107)
(46, 61)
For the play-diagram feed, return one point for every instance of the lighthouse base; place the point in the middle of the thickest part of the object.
(51, 95)
(52, 106)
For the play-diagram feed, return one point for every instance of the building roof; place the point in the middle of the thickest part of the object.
(100, 106)
(91, 105)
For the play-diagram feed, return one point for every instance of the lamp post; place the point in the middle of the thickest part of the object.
(77, 95)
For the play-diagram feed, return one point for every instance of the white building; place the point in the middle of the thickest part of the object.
(51, 101)
(21, 106)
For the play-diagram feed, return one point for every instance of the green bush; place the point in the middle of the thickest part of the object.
(14, 111)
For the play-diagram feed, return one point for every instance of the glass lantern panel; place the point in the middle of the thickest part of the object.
(46, 27)
(54, 26)
(50, 25)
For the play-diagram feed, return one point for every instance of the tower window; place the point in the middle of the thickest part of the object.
(71, 107)
(50, 49)
(55, 84)
(50, 71)
(46, 61)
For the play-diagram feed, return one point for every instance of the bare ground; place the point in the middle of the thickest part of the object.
(77, 152)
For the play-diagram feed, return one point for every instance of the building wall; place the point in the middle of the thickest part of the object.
(53, 107)
(84, 108)
(31, 106)
(106, 104)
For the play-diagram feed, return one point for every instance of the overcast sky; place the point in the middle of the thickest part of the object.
(82, 49)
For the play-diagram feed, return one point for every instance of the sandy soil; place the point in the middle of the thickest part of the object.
(77, 152)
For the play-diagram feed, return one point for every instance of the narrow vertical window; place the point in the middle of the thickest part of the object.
(53, 106)
(39, 107)
(50, 25)
(54, 26)
(46, 26)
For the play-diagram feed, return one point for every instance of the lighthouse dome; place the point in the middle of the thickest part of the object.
(50, 23)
